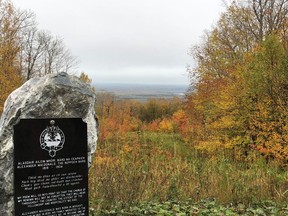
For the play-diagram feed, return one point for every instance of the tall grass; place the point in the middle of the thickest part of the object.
(159, 166)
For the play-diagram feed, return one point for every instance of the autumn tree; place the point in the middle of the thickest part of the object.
(239, 29)
(42, 53)
(38, 52)
(11, 23)
(85, 78)
(158, 108)
(105, 104)
(266, 82)
(26, 51)
(240, 66)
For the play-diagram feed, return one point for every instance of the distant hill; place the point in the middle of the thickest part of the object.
(142, 92)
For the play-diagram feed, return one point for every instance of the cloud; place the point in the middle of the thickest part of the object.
(146, 75)
(117, 38)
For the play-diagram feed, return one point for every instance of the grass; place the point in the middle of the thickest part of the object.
(146, 170)
(204, 207)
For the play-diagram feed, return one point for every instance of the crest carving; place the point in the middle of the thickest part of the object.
(52, 139)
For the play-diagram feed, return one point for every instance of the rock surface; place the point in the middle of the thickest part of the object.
(53, 96)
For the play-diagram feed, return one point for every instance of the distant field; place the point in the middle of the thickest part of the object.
(142, 92)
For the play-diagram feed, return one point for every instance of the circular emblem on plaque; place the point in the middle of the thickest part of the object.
(52, 139)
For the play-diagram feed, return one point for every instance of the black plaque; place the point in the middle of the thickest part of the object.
(50, 167)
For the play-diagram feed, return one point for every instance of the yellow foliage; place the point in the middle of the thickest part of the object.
(225, 122)
(166, 126)
(10, 79)
(210, 147)
(85, 78)
(179, 115)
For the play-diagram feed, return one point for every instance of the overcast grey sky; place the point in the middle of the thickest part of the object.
(128, 41)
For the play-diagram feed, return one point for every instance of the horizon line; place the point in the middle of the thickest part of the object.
(128, 83)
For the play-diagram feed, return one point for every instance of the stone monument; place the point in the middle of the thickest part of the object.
(52, 98)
